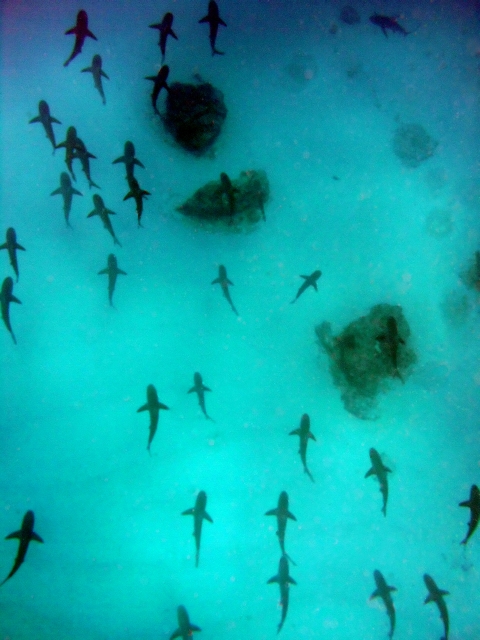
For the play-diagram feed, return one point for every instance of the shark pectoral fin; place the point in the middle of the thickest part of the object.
(160, 404)
(110, 212)
(291, 516)
(76, 192)
(311, 436)
(369, 473)
(15, 534)
(230, 282)
(36, 537)
(153, 78)
(91, 35)
(220, 21)
(57, 192)
(207, 517)
(189, 512)
(272, 512)
(19, 246)
(467, 503)
(122, 159)
(102, 72)
(314, 285)
(295, 432)
(90, 155)
(193, 627)
(121, 272)
(33, 120)
(206, 388)
(216, 281)
(4, 246)
(101, 273)
(143, 407)
(272, 580)
(401, 340)
(392, 588)
(375, 594)
(205, 19)
(87, 69)
(138, 163)
(71, 31)
(387, 469)
(291, 580)
(52, 119)
(173, 34)
(191, 390)
(444, 593)
(14, 299)
(177, 633)
(428, 599)
(92, 213)
(129, 195)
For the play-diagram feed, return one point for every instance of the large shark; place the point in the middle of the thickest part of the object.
(11, 245)
(199, 388)
(436, 595)
(165, 29)
(81, 32)
(6, 297)
(129, 159)
(159, 83)
(380, 470)
(185, 627)
(98, 73)
(102, 212)
(138, 194)
(112, 271)
(84, 156)
(383, 591)
(284, 581)
(224, 282)
(70, 144)
(282, 513)
(199, 514)
(46, 119)
(25, 535)
(391, 341)
(67, 192)
(214, 20)
(153, 406)
(305, 435)
(310, 281)
(474, 505)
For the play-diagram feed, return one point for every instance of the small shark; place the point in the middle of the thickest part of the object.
(310, 281)
(305, 435)
(84, 156)
(436, 595)
(224, 282)
(138, 194)
(81, 32)
(6, 297)
(67, 192)
(25, 536)
(284, 581)
(97, 72)
(214, 20)
(383, 591)
(388, 23)
(70, 144)
(46, 120)
(185, 627)
(153, 407)
(102, 212)
(129, 159)
(391, 341)
(112, 271)
(229, 190)
(474, 505)
(160, 82)
(198, 512)
(165, 29)
(282, 513)
(380, 470)
(199, 388)
(11, 245)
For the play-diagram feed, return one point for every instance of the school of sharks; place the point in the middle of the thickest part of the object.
(76, 150)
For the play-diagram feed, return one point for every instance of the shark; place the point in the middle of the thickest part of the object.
(6, 297)
(25, 535)
(159, 83)
(380, 470)
(224, 282)
(284, 580)
(474, 505)
(185, 627)
(11, 245)
(282, 513)
(153, 406)
(84, 156)
(199, 388)
(81, 32)
(46, 119)
(165, 29)
(199, 514)
(388, 23)
(229, 190)
(214, 20)
(436, 595)
(112, 271)
(98, 73)
(384, 592)
(310, 281)
(102, 212)
(391, 341)
(67, 192)
(138, 194)
(305, 435)
(70, 144)
(129, 159)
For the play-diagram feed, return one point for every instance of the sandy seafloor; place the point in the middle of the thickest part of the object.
(118, 558)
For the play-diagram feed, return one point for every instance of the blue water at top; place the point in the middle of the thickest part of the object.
(118, 558)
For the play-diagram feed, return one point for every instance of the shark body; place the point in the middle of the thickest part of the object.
(103, 213)
(98, 73)
(199, 514)
(11, 245)
(6, 297)
(224, 282)
(305, 435)
(46, 119)
(380, 470)
(112, 270)
(81, 32)
(25, 535)
(153, 406)
(199, 388)
(384, 592)
(67, 191)
(214, 20)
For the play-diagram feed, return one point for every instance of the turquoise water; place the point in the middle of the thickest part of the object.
(117, 557)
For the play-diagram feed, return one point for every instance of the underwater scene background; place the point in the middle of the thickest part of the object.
(369, 144)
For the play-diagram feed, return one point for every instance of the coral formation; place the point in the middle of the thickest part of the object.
(230, 205)
(360, 364)
(194, 115)
(413, 145)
